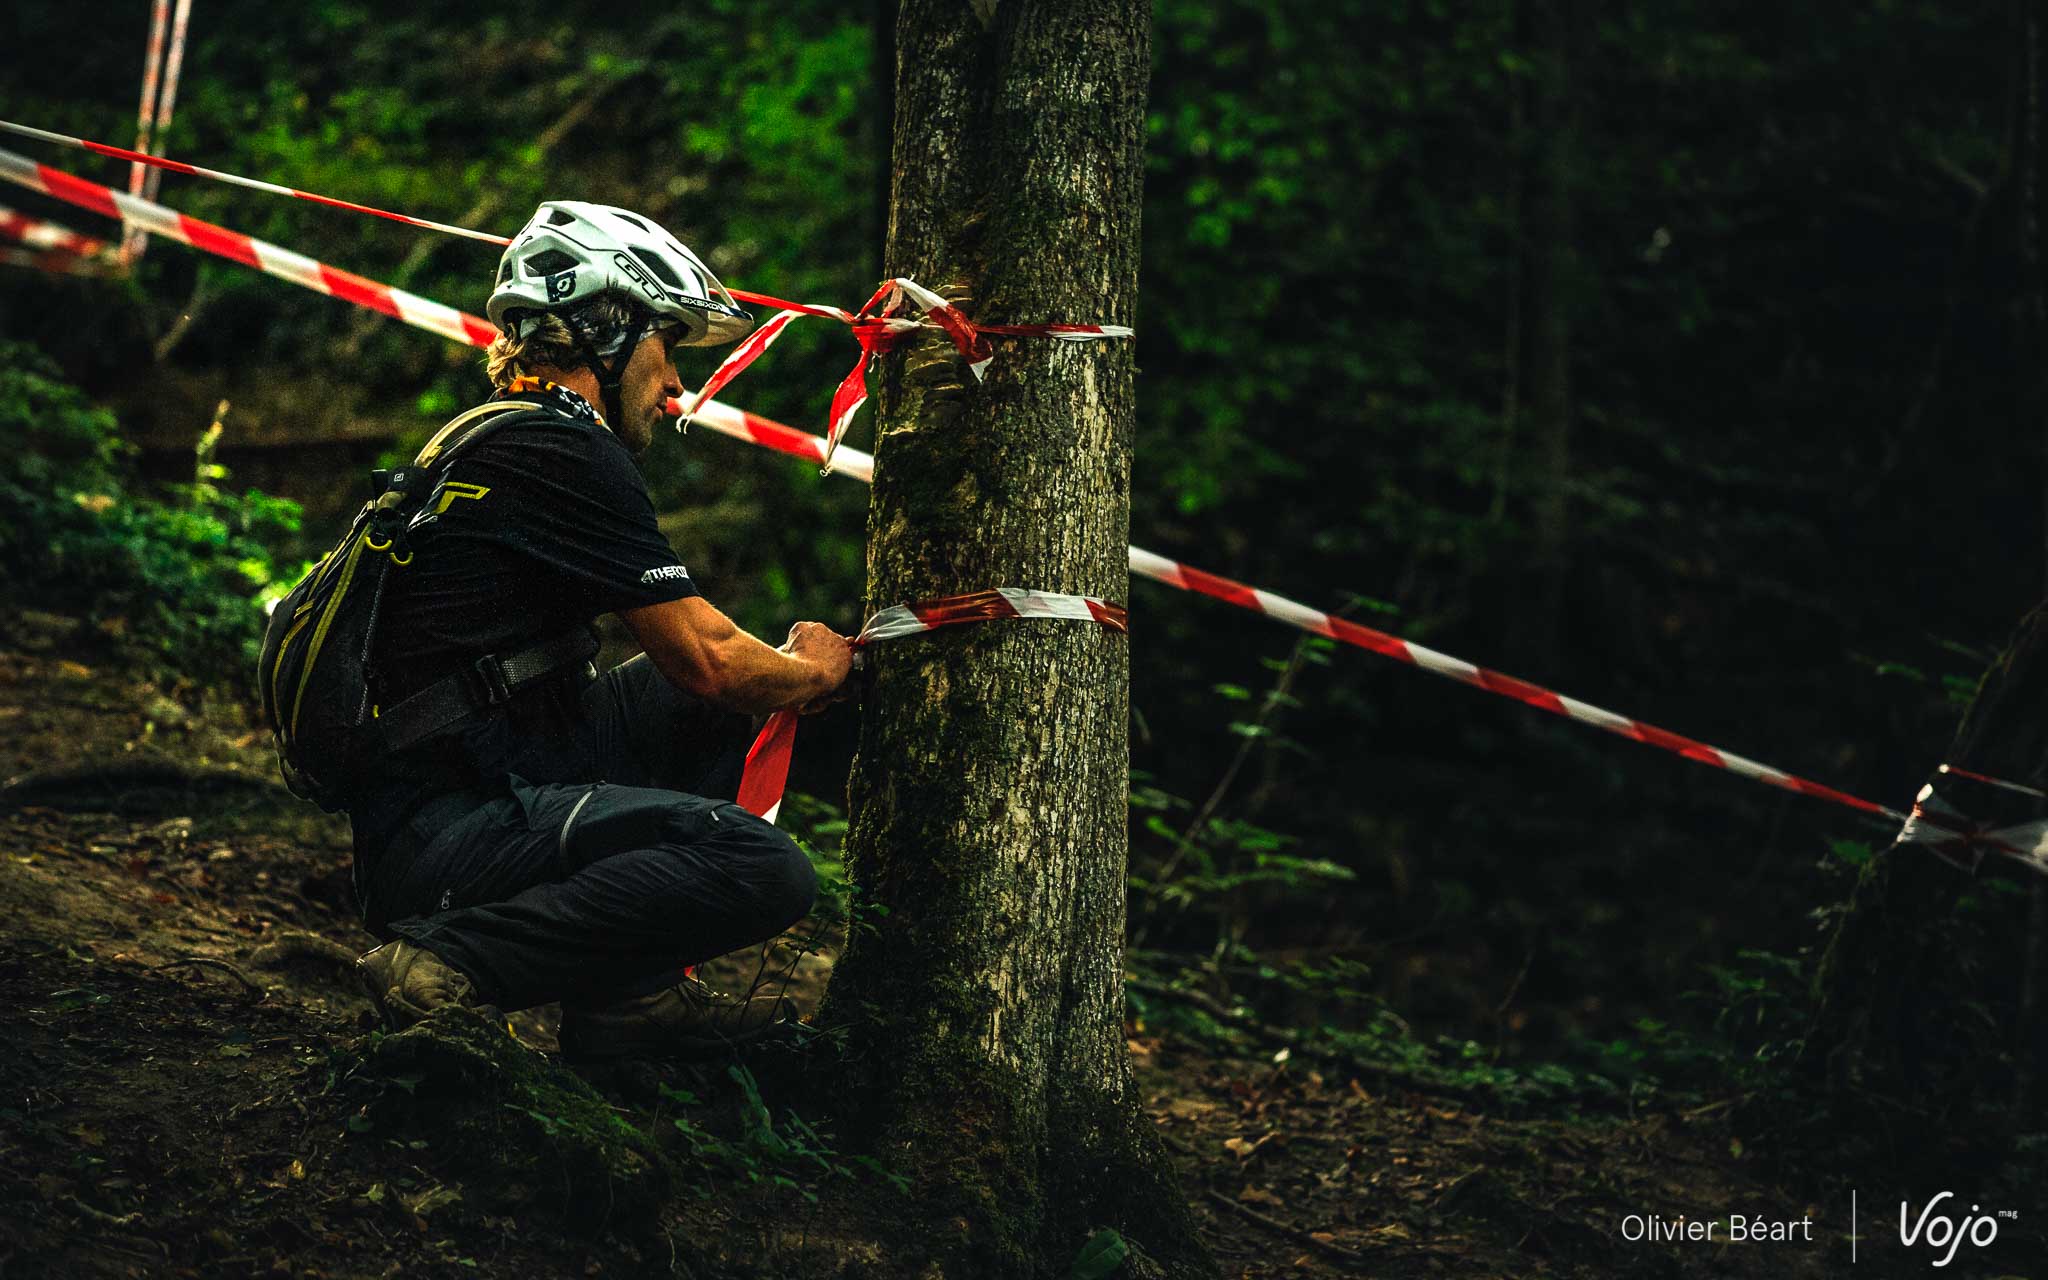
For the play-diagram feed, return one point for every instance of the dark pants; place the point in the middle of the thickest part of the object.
(607, 859)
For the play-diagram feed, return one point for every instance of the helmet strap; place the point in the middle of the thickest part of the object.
(610, 375)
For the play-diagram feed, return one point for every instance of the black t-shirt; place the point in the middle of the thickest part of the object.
(540, 529)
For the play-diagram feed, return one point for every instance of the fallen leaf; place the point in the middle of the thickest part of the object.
(1258, 1195)
(297, 1172)
(1244, 1150)
(1322, 1237)
(431, 1199)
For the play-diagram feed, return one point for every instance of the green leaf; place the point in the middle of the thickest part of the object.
(1853, 852)
(1103, 1254)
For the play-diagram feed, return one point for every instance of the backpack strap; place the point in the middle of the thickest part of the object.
(490, 681)
(450, 439)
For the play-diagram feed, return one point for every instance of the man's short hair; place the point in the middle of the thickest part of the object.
(556, 340)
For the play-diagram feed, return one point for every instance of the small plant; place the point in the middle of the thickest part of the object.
(792, 1155)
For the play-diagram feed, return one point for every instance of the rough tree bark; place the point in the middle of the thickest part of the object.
(983, 1014)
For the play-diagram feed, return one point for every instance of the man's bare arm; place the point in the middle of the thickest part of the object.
(703, 652)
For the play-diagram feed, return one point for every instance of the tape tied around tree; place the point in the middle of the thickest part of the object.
(767, 768)
(1933, 823)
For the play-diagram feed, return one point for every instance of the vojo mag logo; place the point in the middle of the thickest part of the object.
(1943, 1234)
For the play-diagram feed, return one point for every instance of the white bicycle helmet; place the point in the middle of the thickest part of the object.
(571, 251)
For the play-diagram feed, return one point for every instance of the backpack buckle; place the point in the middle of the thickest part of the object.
(492, 676)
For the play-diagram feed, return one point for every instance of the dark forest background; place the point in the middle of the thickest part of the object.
(1677, 356)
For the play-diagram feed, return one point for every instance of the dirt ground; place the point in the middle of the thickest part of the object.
(190, 1084)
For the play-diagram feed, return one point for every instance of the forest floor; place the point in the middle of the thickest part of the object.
(192, 1085)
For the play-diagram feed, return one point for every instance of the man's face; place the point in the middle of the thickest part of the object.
(649, 380)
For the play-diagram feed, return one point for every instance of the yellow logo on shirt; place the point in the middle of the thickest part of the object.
(453, 489)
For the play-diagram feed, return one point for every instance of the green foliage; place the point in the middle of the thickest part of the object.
(182, 571)
(792, 1155)
(1103, 1253)
(819, 829)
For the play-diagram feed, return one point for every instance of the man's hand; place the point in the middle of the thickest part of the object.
(830, 653)
(700, 651)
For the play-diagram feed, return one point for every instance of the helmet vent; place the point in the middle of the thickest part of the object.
(547, 262)
(505, 271)
(657, 268)
(635, 221)
(560, 217)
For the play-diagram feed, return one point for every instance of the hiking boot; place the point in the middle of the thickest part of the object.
(407, 982)
(688, 1020)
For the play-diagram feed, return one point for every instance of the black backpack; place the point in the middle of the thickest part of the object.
(315, 668)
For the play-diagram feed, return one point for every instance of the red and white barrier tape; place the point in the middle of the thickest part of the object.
(142, 158)
(57, 262)
(740, 424)
(767, 771)
(1949, 829)
(38, 234)
(247, 250)
(901, 620)
(876, 326)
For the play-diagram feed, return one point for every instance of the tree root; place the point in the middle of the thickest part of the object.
(207, 962)
(1252, 1215)
(101, 1216)
(297, 944)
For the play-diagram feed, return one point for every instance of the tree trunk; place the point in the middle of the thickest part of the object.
(984, 1011)
(1903, 980)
